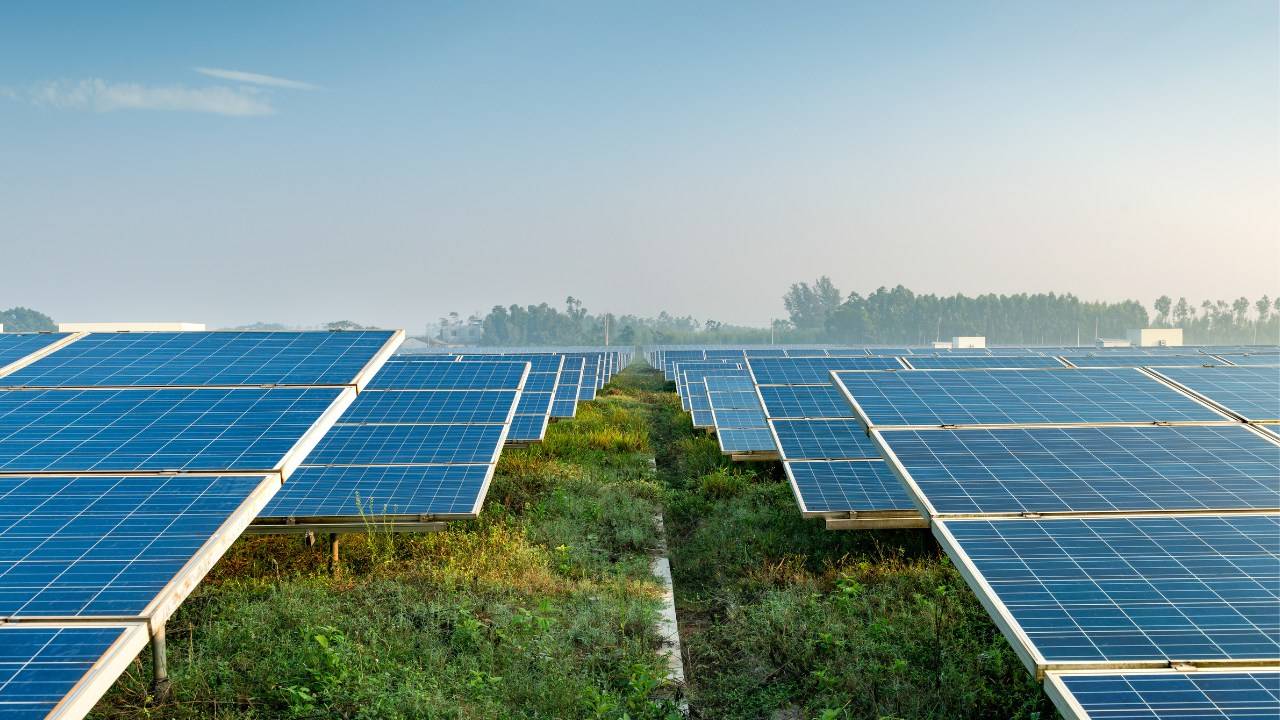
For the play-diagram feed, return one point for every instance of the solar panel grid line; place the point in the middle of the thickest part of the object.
(1085, 471)
(1008, 397)
(151, 430)
(1246, 394)
(210, 359)
(56, 341)
(1241, 693)
(1214, 589)
(60, 671)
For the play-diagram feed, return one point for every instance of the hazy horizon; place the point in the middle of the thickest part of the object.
(388, 164)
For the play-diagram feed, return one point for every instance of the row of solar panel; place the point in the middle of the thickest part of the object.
(1071, 592)
(114, 545)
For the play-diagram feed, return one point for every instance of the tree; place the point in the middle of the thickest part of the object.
(21, 319)
(808, 305)
(1263, 306)
(1162, 306)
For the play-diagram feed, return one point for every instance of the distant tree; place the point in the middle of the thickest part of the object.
(1183, 312)
(1162, 306)
(21, 319)
(347, 325)
(809, 305)
(1263, 306)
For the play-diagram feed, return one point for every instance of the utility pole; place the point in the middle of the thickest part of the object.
(772, 325)
(606, 329)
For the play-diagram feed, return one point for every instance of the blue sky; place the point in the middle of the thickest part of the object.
(643, 156)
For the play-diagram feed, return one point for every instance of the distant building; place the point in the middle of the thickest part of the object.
(131, 327)
(968, 341)
(1111, 343)
(1156, 337)
(941, 344)
(462, 333)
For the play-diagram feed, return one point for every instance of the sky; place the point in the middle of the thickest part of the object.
(390, 162)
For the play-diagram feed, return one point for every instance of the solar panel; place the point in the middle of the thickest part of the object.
(823, 440)
(1205, 694)
(959, 362)
(732, 383)
(49, 671)
(171, 359)
(732, 399)
(108, 545)
(16, 346)
(399, 374)
(1190, 588)
(1252, 392)
(527, 428)
(993, 397)
(468, 407)
(804, 401)
(812, 371)
(745, 440)
(740, 418)
(1152, 360)
(437, 490)
(1271, 358)
(565, 403)
(846, 486)
(242, 429)
(407, 445)
(1100, 469)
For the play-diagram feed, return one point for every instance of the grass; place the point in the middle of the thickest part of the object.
(542, 608)
(781, 618)
(545, 607)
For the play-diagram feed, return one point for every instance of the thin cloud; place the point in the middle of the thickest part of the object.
(255, 78)
(101, 96)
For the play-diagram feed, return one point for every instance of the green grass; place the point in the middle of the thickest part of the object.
(545, 608)
(783, 618)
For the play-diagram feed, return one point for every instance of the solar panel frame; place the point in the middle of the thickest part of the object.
(210, 359)
(826, 487)
(60, 671)
(1113, 475)
(99, 546)
(1249, 392)
(1201, 694)
(18, 350)
(1234, 597)
(997, 397)
(163, 430)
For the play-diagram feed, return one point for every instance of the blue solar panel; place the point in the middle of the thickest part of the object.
(378, 491)
(960, 362)
(1090, 469)
(804, 401)
(1173, 588)
(745, 440)
(1271, 358)
(105, 545)
(993, 397)
(1199, 695)
(534, 403)
(538, 362)
(1128, 360)
(823, 440)
(731, 383)
(739, 418)
(812, 371)
(733, 400)
(527, 428)
(242, 429)
(406, 445)
(398, 374)
(469, 407)
(16, 346)
(847, 486)
(40, 665)
(1252, 392)
(169, 359)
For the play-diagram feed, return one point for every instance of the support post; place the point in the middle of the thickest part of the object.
(161, 688)
(309, 538)
(333, 554)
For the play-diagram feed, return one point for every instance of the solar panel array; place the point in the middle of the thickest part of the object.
(1117, 512)
(128, 464)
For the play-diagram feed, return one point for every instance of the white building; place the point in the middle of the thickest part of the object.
(1156, 337)
(131, 327)
(968, 341)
